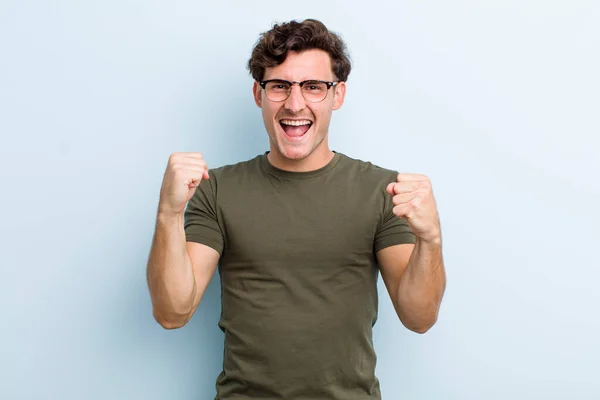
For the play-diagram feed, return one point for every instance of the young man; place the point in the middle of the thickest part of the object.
(299, 235)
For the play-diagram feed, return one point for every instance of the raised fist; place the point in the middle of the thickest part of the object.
(184, 173)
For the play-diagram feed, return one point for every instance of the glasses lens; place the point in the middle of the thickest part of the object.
(314, 91)
(277, 90)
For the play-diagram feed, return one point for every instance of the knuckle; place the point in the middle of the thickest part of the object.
(173, 158)
(179, 173)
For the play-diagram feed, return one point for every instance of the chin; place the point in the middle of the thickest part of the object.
(294, 150)
(295, 153)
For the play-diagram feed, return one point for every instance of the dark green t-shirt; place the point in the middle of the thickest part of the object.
(298, 275)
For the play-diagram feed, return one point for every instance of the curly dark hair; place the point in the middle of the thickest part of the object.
(273, 46)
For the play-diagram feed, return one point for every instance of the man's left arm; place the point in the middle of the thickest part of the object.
(414, 275)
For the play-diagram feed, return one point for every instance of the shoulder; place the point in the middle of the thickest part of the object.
(367, 171)
(239, 169)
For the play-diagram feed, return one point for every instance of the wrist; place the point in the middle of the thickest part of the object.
(434, 240)
(166, 217)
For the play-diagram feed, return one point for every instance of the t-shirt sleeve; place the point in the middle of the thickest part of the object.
(200, 217)
(392, 230)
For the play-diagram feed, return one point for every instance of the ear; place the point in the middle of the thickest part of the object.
(339, 94)
(257, 92)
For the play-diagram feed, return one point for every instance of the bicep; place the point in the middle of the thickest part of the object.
(204, 261)
(392, 262)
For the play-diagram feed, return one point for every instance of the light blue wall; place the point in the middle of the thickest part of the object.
(497, 102)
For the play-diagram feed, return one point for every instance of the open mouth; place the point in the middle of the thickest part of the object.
(295, 129)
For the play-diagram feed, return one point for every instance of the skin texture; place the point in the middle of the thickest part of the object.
(414, 275)
(178, 272)
(312, 152)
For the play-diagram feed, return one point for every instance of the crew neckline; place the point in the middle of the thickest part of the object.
(271, 169)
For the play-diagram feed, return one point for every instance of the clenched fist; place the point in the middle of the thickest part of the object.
(184, 173)
(413, 200)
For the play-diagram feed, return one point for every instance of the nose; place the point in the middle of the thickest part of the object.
(295, 101)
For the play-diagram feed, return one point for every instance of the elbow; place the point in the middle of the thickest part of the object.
(170, 325)
(420, 329)
(420, 326)
(418, 316)
(170, 322)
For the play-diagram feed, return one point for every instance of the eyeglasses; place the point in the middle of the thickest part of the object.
(313, 91)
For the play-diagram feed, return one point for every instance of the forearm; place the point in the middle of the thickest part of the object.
(169, 272)
(422, 286)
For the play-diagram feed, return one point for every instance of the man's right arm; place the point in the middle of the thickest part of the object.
(178, 272)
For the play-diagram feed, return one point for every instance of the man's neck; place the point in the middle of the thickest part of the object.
(316, 160)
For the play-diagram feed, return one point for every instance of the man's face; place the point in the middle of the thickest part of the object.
(298, 142)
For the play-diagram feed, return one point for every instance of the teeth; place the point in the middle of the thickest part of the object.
(295, 123)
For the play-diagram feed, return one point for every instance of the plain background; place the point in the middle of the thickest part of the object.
(497, 102)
